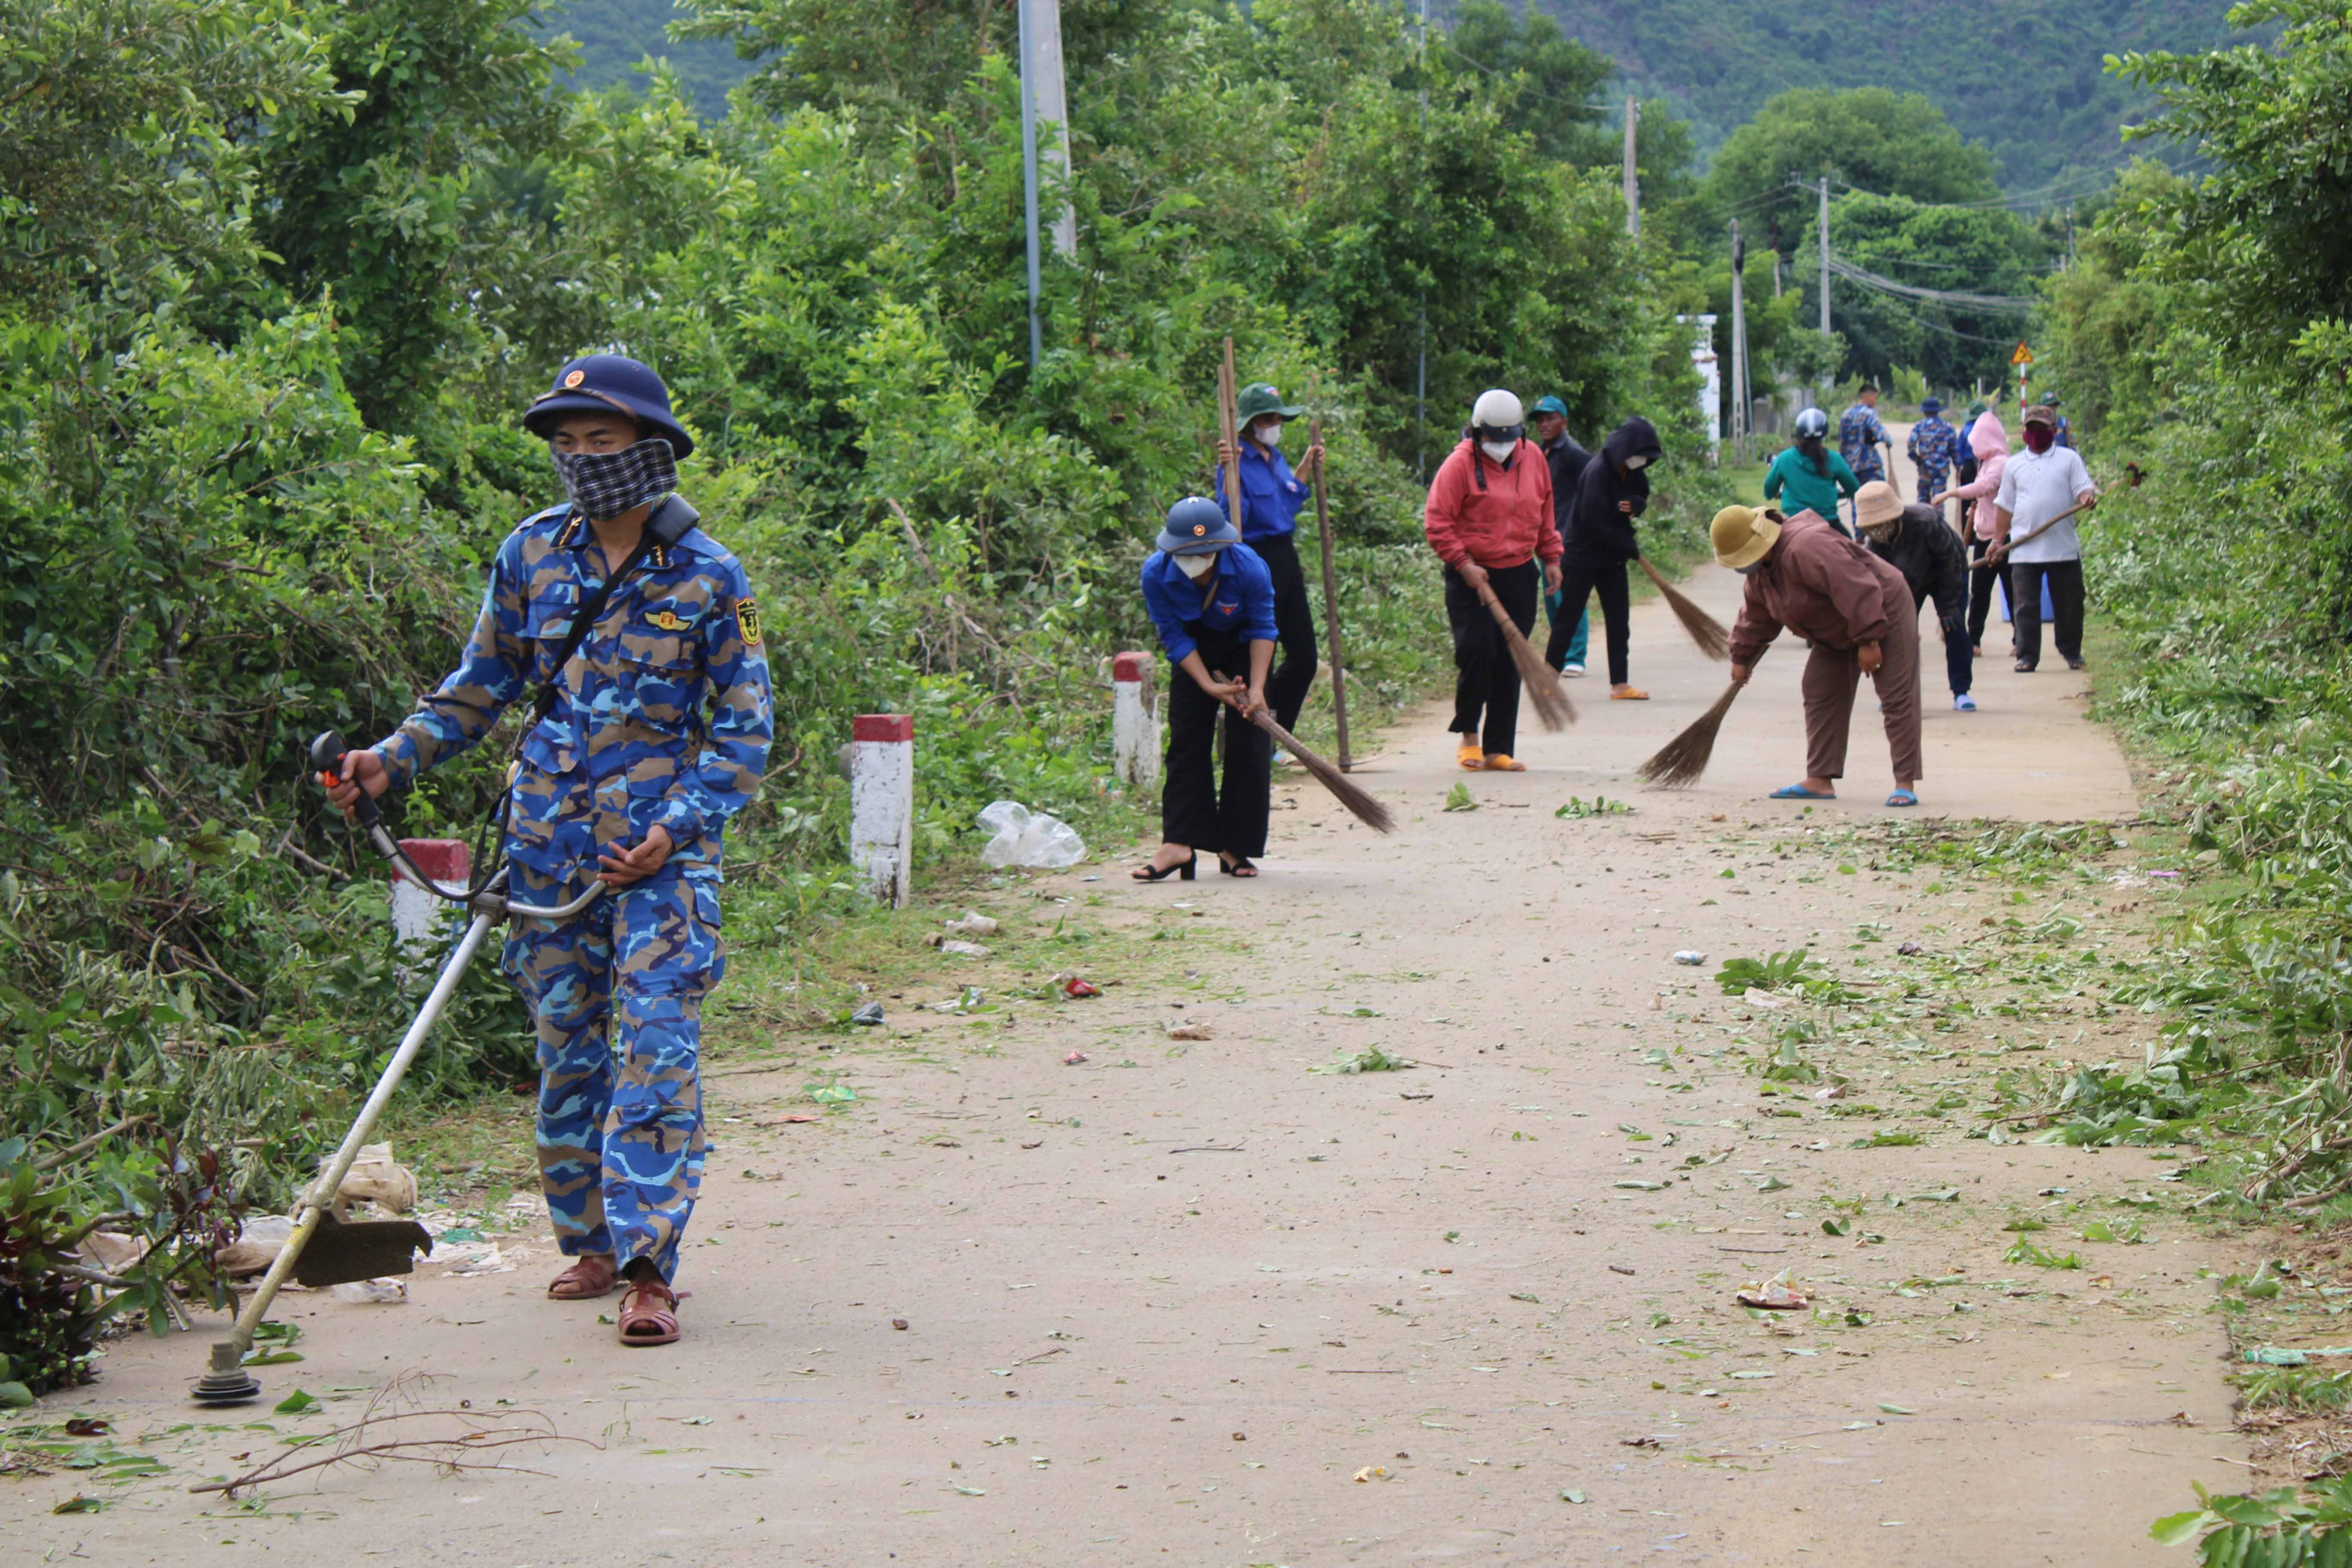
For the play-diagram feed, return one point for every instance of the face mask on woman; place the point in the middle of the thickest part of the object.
(1636, 463)
(1500, 450)
(1195, 566)
(1266, 432)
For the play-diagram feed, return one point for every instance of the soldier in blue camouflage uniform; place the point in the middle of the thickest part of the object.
(657, 734)
(1934, 448)
(1860, 434)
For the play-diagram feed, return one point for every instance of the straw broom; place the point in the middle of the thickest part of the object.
(1359, 801)
(1704, 629)
(1552, 707)
(1680, 760)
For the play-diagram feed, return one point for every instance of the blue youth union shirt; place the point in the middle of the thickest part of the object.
(1240, 600)
(1271, 493)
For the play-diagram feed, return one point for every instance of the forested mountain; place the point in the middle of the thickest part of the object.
(2025, 76)
(614, 35)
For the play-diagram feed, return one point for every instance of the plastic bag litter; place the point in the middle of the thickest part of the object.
(362, 1292)
(377, 1179)
(257, 1246)
(1026, 837)
(113, 1251)
(972, 924)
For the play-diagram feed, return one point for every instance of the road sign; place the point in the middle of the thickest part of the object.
(2022, 355)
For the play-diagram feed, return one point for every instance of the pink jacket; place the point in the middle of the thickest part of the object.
(1990, 442)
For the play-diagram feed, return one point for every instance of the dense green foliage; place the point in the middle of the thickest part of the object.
(2023, 77)
(277, 278)
(2205, 343)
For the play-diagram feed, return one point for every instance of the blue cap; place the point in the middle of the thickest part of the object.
(1197, 526)
(1548, 404)
(599, 383)
(1931, 406)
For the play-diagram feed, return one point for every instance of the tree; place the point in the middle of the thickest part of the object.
(1867, 139)
(1546, 83)
(2269, 233)
(1970, 250)
(119, 128)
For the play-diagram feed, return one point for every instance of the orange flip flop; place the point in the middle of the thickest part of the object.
(1629, 694)
(1504, 763)
(1470, 756)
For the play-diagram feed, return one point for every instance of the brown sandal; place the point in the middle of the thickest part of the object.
(591, 1277)
(641, 1321)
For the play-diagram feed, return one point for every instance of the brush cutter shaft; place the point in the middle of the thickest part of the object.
(331, 1180)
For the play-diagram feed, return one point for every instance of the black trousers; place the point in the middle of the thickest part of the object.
(2065, 580)
(1959, 668)
(1581, 577)
(1981, 579)
(1293, 675)
(1486, 681)
(1192, 809)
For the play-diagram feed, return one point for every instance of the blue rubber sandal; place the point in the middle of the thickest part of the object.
(1902, 797)
(1797, 791)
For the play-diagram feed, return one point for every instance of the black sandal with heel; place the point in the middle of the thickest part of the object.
(1185, 867)
(1239, 866)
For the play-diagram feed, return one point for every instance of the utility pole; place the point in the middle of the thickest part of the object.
(1029, 169)
(1632, 183)
(1420, 364)
(1044, 19)
(1824, 226)
(1739, 351)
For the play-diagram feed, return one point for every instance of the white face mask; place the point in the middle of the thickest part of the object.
(1195, 566)
(1498, 450)
(1633, 463)
(1266, 432)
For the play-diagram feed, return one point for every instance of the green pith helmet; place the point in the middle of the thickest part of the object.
(1258, 399)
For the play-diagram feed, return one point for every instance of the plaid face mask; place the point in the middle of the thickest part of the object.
(606, 484)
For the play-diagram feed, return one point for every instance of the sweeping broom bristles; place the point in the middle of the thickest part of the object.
(1680, 760)
(1540, 681)
(1353, 796)
(1704, 628)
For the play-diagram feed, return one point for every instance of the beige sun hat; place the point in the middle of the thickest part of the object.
(1876, 504)
(1741, 534)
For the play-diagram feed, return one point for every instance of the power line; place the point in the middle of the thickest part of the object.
(2019, 303)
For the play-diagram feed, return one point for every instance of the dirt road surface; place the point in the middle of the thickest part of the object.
(1191, 1301)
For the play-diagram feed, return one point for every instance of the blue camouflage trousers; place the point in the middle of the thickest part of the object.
(617, 993)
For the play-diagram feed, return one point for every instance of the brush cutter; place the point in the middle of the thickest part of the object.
(326, 1248)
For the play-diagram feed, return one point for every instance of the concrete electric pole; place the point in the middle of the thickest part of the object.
(1632, 183)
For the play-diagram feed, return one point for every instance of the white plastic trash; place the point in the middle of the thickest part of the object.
(1026, 837)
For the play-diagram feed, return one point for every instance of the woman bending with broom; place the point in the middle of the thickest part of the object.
(1489, 518)
(1212, 599)
(1857, 612)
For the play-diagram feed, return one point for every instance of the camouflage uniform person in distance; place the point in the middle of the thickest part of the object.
(1934, 449)
(627, 748)
(1860, 434)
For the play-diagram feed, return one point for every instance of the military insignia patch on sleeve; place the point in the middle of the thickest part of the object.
(669, 621)
(746, 620)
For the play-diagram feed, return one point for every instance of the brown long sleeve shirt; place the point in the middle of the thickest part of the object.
(1819, 585)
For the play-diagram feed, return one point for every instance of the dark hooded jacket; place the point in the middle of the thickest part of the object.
(1567, 460)
(1596, 530)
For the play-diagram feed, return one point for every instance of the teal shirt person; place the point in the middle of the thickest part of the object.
(1793, 481)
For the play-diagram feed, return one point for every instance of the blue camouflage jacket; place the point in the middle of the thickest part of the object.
(627, 746)
(1934, 446)
(1859, 434)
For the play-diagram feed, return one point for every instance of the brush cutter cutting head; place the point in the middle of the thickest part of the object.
(340, 1254)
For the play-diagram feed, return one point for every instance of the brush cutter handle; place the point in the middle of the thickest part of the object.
(326, 754)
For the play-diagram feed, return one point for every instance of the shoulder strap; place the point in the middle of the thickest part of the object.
(669, 521)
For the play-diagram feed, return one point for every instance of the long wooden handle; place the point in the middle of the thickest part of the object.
(1229, 427)
(1330, 600)
(2005, 546)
